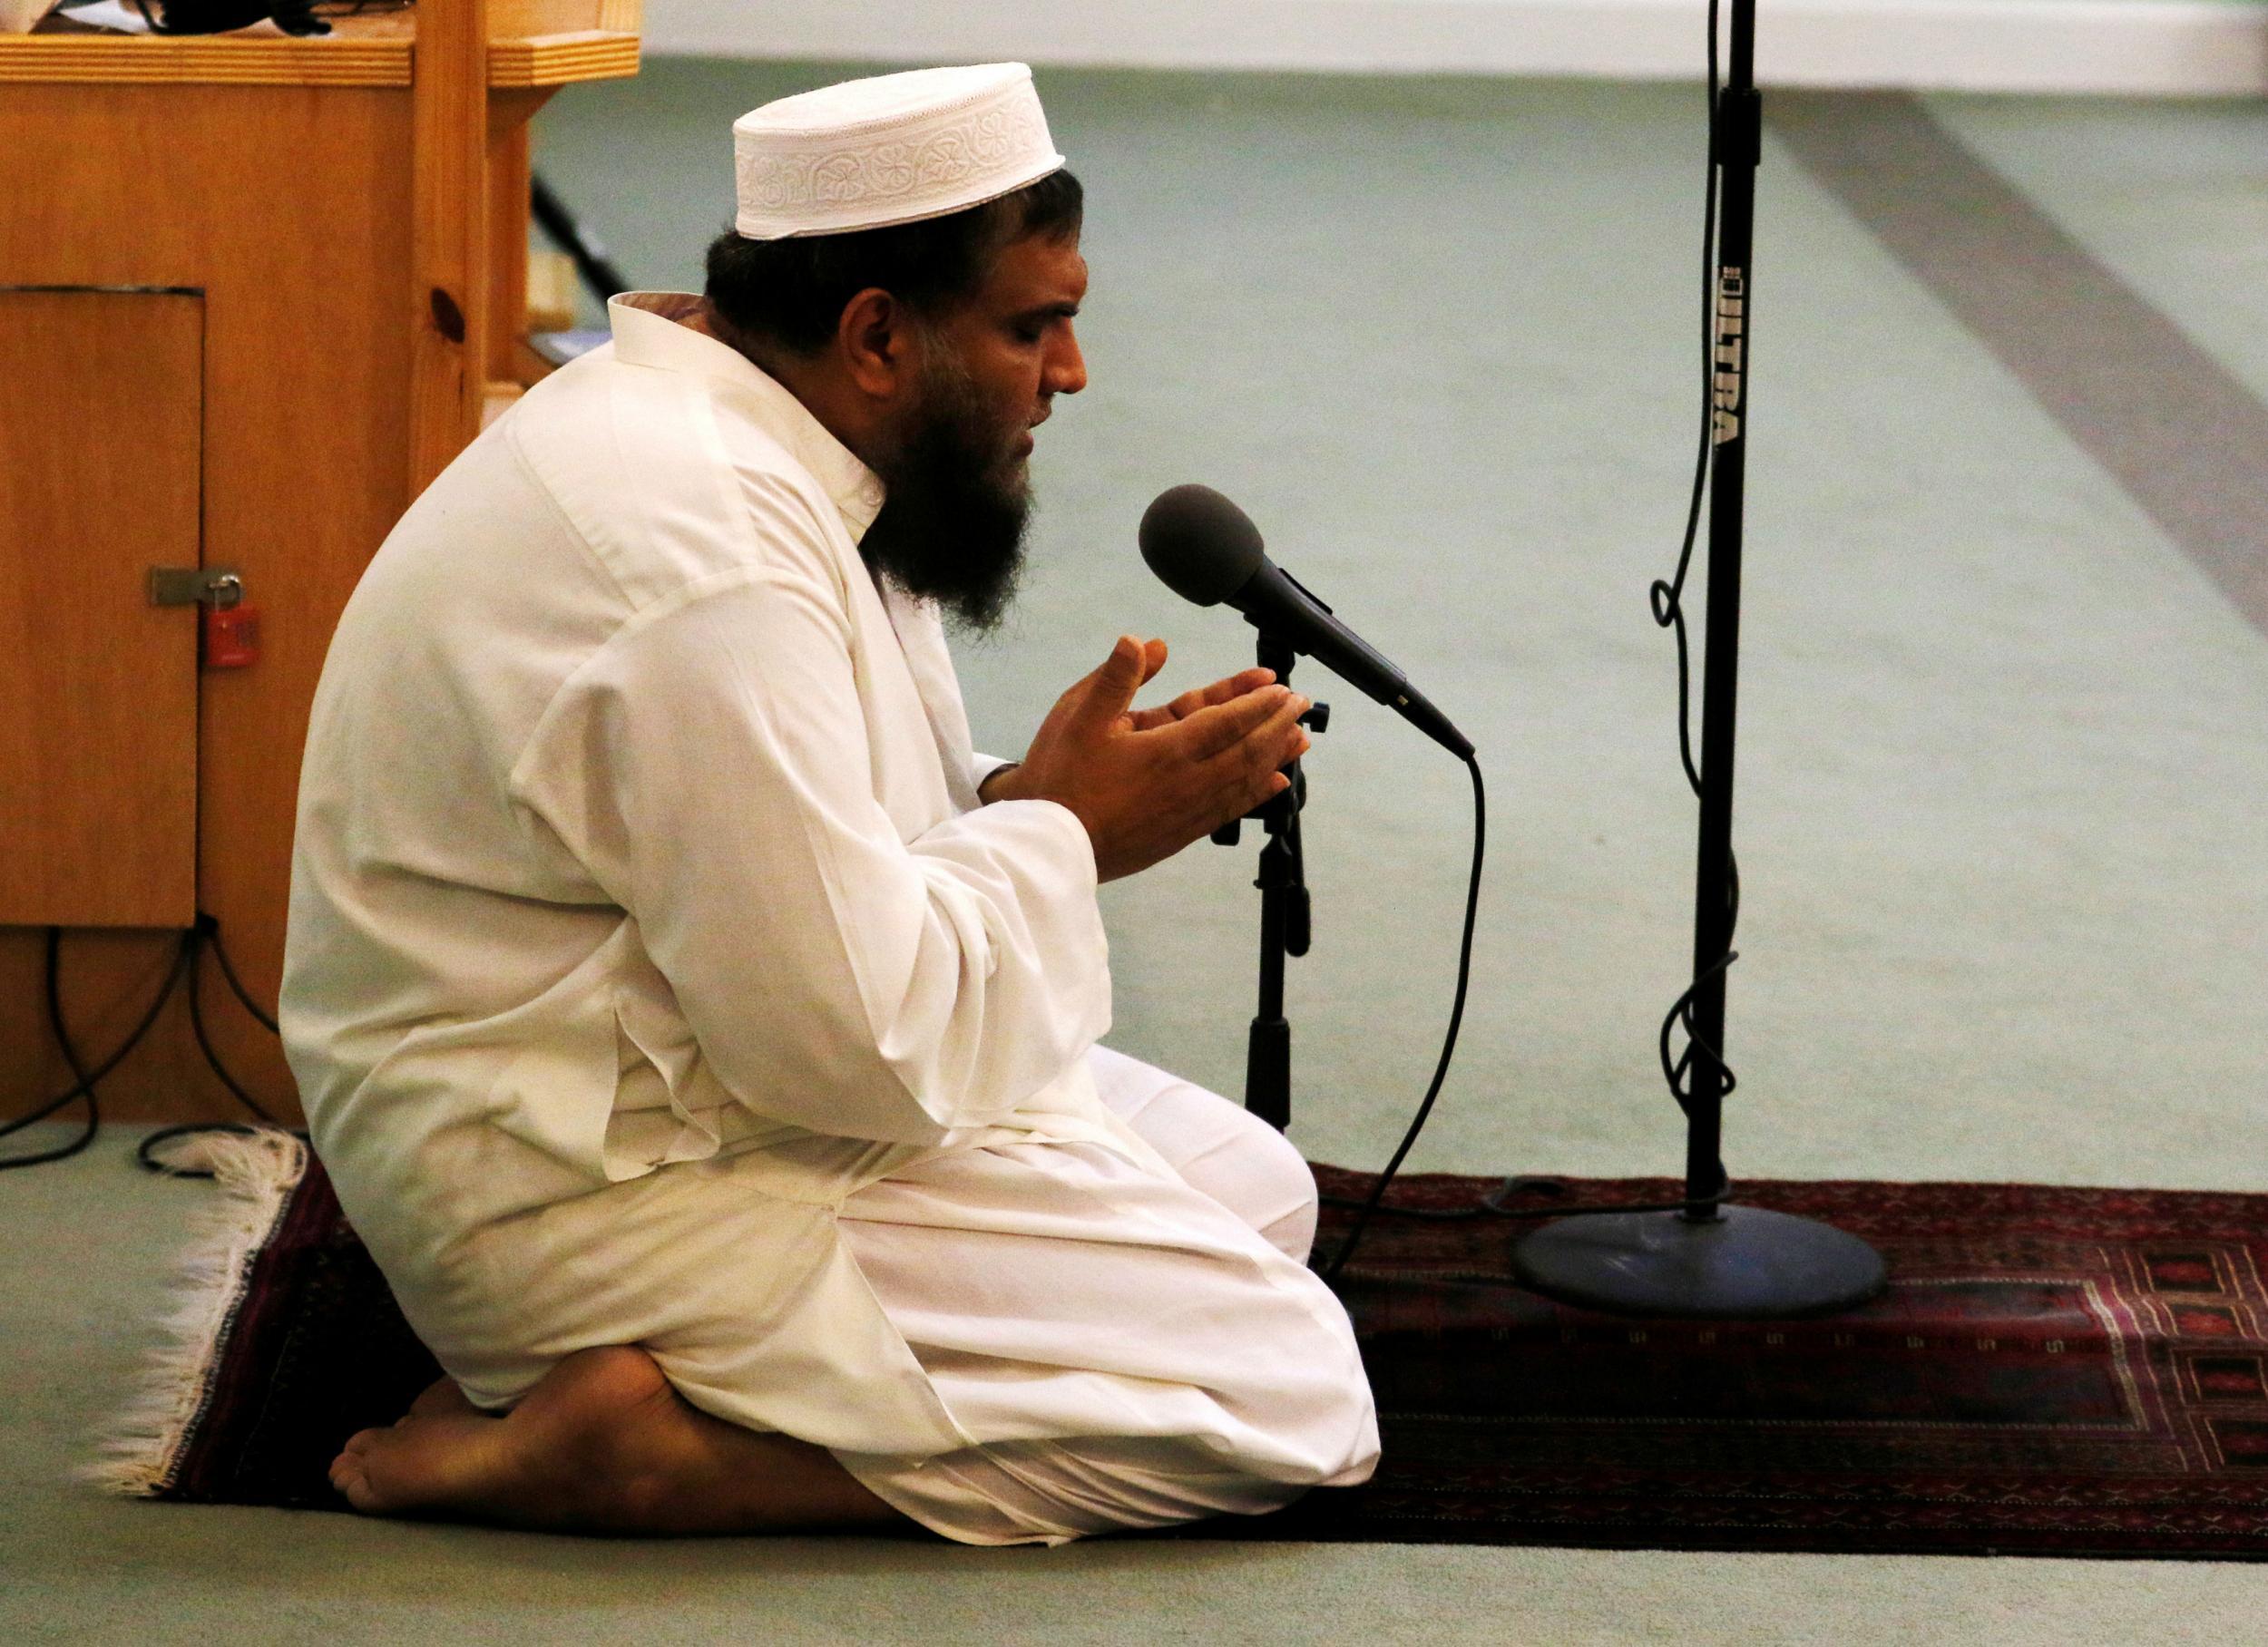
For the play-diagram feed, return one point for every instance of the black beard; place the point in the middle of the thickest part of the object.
(951, 530)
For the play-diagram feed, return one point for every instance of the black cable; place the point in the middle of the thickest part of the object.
(209, 930)
(1666, 601)
(82, 1081)
(145, 1152)
(1449, 1041)
(1492, 1204)
(1665, 598)
(42, 1111)
(205, 932)
(204, 927)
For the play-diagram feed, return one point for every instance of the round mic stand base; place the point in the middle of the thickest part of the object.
(1743, 1262)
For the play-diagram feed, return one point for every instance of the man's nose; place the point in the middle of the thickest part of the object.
(1066, 366)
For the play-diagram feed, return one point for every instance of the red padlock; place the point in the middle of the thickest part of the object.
(230, 636)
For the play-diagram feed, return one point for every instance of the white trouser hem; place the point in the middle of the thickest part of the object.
(941, 1499)
(1052, 1491)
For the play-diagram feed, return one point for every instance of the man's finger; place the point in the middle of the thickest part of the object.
(1237, 686)
(1153, 659)
(1274, 743)
(1220, 692)
(1181, 707)
(1223, 727)
(1269, 785)
(1110, 690)
(1201, 698)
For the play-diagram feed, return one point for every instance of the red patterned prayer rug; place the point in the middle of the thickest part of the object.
(2053, 1371)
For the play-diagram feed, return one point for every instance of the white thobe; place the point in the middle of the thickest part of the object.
(648, 938)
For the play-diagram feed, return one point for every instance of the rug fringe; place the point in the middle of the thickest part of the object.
(255, 1172)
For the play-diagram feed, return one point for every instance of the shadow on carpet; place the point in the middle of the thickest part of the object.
(2051, 1372)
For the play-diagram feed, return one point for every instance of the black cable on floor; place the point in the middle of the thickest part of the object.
(205, 933)
(83, 1080)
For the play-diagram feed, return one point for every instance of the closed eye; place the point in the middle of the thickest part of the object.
(1032, 325)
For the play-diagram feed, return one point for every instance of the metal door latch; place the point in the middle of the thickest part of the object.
(218, 587)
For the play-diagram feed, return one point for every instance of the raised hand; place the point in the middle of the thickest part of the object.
(1147, 783)
(1197, 697)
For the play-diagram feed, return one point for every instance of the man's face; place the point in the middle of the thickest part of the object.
(1013, 346)
(956, 472)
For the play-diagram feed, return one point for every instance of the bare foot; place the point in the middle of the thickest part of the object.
(440, 1399)
(603, 1444)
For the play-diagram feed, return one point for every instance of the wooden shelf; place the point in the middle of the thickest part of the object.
(248, 60)
(558, 60)
(358, 52)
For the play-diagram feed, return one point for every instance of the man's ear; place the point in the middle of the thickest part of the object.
(875, 338)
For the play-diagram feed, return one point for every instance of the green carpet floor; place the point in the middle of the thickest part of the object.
(2002, 819)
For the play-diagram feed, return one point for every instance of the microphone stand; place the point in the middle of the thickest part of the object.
(1284, 920)
(1712, 1259)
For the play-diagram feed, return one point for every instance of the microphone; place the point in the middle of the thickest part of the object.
(1206, 549)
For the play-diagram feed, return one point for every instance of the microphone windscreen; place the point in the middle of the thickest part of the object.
(1202, 546)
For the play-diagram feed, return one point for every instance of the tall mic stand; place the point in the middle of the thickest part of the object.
(1711, 1259)
(1285, 923)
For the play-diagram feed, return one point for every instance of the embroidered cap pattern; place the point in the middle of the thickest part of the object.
(952, 138)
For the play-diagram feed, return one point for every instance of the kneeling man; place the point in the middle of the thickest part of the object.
(700, 1036)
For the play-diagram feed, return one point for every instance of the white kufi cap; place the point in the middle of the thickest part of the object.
(893, 149)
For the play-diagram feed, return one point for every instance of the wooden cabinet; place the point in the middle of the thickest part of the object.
(102, 400)
(325, 240)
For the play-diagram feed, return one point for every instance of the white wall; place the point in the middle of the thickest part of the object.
(2061, 46)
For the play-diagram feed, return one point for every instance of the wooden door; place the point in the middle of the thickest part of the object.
(101, 416)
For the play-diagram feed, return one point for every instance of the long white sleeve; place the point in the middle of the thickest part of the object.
(711, 767)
